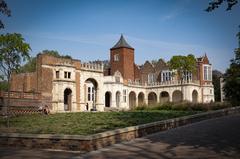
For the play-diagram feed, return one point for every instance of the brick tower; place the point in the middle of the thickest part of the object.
(122, 59)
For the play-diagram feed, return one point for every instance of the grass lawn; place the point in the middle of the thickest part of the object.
(85, 123)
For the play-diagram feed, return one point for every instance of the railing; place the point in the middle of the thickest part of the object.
(166, 83)
(92, 67)
(22, 95)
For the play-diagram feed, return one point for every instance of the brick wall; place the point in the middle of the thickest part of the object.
(125, 65)
(25, 82)
(145, 70)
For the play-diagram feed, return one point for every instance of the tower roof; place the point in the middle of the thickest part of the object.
(122, 43)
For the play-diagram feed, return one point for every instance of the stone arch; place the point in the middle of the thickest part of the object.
(91, 93)
(132, 99)
(67, 99)
(152, 98)
(177, 96)
(141, 99)
(164, 97)
(194, 96)
(118, 98)
(108, 99)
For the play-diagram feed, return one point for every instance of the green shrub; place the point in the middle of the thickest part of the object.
(185, 106)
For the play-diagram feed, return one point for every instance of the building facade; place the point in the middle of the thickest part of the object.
(69, 85)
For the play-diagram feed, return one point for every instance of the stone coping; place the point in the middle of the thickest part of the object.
(205, 116)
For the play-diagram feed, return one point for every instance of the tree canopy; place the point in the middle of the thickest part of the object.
(232, 80)
(183, 63)
(214, 4)
(55, 54)
(13, 51)
(5, 11)
(30, 66)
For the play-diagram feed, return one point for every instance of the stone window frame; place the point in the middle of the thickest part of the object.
(187, 75)
(89, 93)
(207, 72)
(166, 75)
(69, 75)
(57, 74)
(151, 78)
(116, 57)
(65, 74)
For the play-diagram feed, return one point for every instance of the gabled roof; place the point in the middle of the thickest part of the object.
(122, 43)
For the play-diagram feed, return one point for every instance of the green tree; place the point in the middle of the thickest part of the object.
(232, 80)
(214, 4)
(13, 51)
(30, 66)
(183, 63)
(216, 75)
(3, 86)
(4, 10)
(55, 54)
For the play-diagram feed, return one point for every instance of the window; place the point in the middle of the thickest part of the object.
(57, 74)
(89, 93)
(124, 95)
(65, 74)
(187, 76)
(116, 57)
(166, 75)
(69, 75)
(151, 78)
(207, 72)
(117, 79)
(93, 93)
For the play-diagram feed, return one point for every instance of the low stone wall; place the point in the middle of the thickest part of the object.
(100, 140)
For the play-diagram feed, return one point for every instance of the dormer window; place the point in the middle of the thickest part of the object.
(116, 57)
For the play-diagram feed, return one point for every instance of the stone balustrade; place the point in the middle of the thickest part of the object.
(165, 83)
(92, 67)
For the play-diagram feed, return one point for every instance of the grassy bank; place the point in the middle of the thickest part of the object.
(85, 123)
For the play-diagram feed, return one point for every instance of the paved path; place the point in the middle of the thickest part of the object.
(216, 138)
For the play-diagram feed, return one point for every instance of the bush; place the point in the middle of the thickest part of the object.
(185, 106)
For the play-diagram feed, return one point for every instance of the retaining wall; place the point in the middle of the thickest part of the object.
(100, 140)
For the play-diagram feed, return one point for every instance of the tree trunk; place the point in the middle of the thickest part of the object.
(8, 103)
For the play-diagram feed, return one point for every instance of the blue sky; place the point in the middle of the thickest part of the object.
(87, 29)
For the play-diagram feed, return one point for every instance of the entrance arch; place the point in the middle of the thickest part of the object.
(152, 98)
(177, 96)
(164, 97)
(141, 99)
(194, 96)
(118, 96)
(91, 87)
(132, 99)
(108, 97)
(67, 99)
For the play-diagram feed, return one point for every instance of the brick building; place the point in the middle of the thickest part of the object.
(69, 85)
